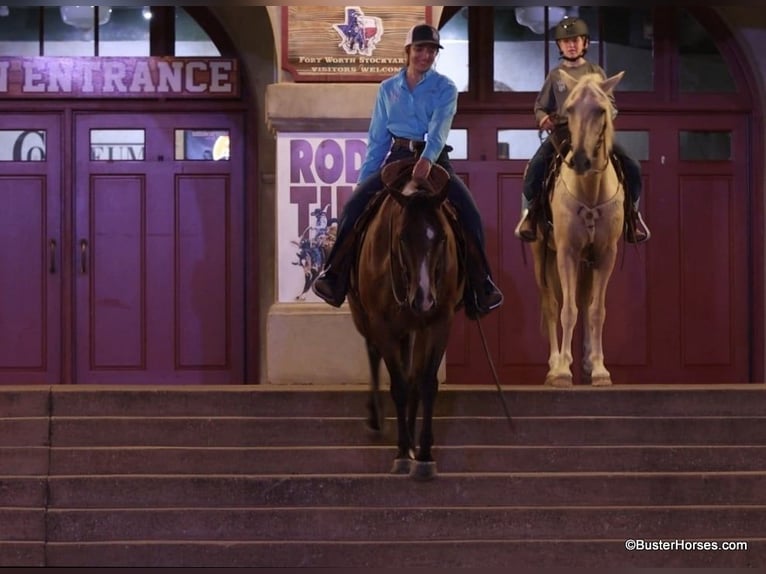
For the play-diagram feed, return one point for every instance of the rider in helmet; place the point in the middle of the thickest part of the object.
(411, 120)
(572, 38)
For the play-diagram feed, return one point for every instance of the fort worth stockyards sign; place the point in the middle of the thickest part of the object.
(119, 77)
(346, 43)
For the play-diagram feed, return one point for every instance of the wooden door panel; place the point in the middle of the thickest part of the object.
(164, 295)
(203, 306)
(113, 261)
(30, 253)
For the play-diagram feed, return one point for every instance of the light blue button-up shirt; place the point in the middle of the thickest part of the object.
(424, 113)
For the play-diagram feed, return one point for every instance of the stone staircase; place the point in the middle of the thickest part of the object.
(280, 476)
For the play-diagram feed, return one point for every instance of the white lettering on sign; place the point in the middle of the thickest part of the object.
(121, 77)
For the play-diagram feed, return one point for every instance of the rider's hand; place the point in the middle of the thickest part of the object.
(422, 169)
(547, 123)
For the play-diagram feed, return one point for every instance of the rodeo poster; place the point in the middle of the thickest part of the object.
(316, 174)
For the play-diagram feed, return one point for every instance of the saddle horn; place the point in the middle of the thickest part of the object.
(398, 173)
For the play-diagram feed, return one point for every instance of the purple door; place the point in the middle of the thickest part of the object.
(30, 249)
(158, 248)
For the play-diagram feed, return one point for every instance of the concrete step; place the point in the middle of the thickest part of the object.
(606, 554)
(349, 401)
(26, 431)
(633, 488)
(287, 477)
(316, 431)
(373, 459)
(24, 460)
(362, 524)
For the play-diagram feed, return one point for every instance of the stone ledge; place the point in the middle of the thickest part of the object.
(293, 107)
(308, 343)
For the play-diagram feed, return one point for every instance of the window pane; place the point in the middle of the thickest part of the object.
(458, 139)
(705, 146)
(453, 61)
(22, 145)
(68, 30)
(519, 51)
(629, 45)
(517, 144)
(702, 68)
(20, 32)
(117, 145)
(126, 33)
(635, 143)
(202, 145)
(191, 39)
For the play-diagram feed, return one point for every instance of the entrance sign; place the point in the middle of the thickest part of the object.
(151, 77)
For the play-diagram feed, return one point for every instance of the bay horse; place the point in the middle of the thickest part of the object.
(574, 262)
(406, 285)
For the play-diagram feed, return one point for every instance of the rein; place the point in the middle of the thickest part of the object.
(392, 253)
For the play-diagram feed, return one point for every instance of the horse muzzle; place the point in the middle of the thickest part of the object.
(581, 162)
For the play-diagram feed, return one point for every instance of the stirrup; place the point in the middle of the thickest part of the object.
(529, 234)
(638, 226)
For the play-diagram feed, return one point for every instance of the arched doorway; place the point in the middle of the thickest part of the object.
(680, 308)
(125, 221)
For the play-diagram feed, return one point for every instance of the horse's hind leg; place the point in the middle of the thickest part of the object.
(374, 405)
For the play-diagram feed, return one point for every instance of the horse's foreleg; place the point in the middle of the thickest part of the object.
(399, 394)
(424, 467)
(594, 348)
(413, 403)
(561, 374)
(547, 279)
(374, 406)
(428, 367)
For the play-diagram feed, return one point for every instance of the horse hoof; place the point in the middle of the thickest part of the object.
(601, 382)
(374, 426)
(401, 466)
(423, 471)
(559, 381)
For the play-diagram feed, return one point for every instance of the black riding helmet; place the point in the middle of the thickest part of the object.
(572, 27)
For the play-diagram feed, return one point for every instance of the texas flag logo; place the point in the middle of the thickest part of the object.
(360, 34)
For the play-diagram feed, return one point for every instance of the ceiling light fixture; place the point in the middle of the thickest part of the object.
(533, 17)
(82, 17)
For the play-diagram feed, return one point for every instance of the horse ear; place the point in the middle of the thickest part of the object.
(610, 83)
(393, 174)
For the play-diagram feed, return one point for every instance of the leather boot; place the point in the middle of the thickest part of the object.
(526, 230)
(481, 295)
(636, 231)
(331, 285)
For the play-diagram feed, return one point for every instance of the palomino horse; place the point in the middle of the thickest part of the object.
(573, 266)
(405, 287)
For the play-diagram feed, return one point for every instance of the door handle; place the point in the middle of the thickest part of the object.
(52, 258)
(83, 256)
